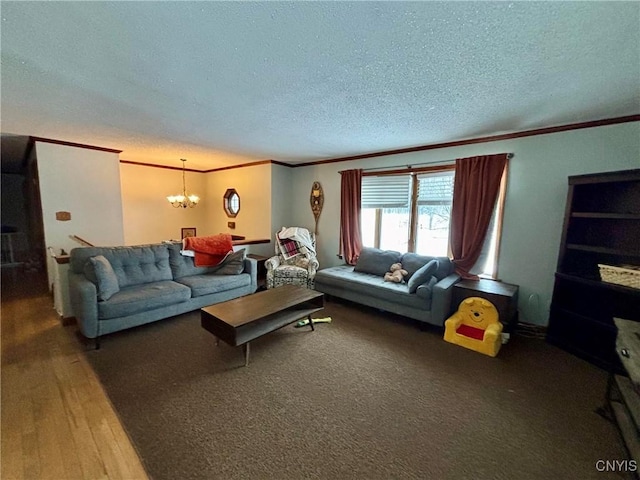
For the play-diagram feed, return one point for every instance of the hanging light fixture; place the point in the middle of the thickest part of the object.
(183, 200)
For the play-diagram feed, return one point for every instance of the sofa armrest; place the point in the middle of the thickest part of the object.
(272, 263)
(251, 267)
(441, 298)
(84, 303)
(313, 267)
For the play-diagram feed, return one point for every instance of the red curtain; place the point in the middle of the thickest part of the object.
(475, 190)
(350, 235)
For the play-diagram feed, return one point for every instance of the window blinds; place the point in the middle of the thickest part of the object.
(435, 188)
(394, 191)
(388, 191)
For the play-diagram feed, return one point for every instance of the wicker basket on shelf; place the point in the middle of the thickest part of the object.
(627, 275)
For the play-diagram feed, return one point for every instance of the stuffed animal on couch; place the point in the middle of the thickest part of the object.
(396, 274)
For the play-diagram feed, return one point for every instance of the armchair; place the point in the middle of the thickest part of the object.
(475, 326)
(295, 261)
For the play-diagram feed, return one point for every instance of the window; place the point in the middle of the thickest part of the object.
(435, 193)
(410, 212)
(231, 202)
(487, 264)
(385, 212)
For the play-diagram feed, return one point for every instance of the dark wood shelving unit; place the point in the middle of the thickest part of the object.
(601, 226)
(614, 216)
(609, 251)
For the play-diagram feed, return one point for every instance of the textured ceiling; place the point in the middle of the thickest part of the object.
(223, 83)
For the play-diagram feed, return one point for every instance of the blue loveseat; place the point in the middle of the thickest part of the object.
(115, 288)
(424, 295)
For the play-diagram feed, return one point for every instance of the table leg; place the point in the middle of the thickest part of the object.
(246, 349)
(311, 323)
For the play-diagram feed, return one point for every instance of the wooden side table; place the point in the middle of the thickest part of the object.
(503, 295)
(262, 270)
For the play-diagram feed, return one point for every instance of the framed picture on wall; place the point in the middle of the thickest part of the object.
(188, 232)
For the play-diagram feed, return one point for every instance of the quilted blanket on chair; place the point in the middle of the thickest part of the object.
(294, 241)
(209, 251)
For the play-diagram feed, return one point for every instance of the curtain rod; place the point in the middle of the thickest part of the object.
(409, 167)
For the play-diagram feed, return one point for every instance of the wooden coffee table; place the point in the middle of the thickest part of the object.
(243, 319)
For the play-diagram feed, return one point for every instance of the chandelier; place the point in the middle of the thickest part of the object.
(183, 200)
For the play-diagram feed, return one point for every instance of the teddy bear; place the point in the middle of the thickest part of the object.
(396, 274)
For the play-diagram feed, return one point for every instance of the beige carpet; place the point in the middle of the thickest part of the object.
(368, 396)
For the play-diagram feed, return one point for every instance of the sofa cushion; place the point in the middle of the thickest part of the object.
(214, 283)
(445, 268)
(89, 271)
(412, 262)
(99, 271)
(422, 275)
(425, 290)
(345, 278)
(141, 265)
(233, 264)
(141, 298)
(376, 261)
(133, 265)
(183, 266)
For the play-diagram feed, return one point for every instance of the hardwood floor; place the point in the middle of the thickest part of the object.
(57, 422)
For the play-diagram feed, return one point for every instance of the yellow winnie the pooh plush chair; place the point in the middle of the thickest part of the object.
(475, 326)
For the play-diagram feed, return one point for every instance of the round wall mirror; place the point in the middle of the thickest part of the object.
(231, 202)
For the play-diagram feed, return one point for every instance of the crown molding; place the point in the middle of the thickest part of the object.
(153, 165)
(250, 164)
(32, 140)
(433, 146)
(490, 138)
(242, 165)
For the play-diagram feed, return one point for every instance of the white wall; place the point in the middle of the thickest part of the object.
(534, 209)
(329, 221)
(148, 216)
(281, 205)
(85, 183)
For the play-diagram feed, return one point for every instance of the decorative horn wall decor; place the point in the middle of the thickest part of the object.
(317, 201)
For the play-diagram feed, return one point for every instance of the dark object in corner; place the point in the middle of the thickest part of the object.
(601, 226)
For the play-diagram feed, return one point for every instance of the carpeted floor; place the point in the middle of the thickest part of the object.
(368, 396)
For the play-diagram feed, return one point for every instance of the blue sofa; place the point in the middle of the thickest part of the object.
(424, 295)
(115, 288)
